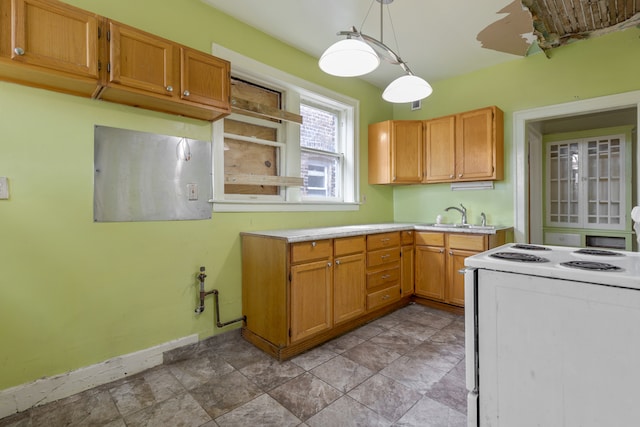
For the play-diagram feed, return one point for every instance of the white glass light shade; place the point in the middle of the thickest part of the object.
(407, 88)
(349, 58)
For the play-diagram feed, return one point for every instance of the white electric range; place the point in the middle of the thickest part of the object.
(552, 337)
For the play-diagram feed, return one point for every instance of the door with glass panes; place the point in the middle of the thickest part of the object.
(585, 184)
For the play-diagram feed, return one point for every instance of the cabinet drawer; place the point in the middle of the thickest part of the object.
(467, 241)
(406, 237)
(384, 256)
(384, 277)
(383, 297)
(306, 251)
(349, 245)
(427, 238)
(383, 240)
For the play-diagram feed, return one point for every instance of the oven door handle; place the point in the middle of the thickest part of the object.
(471, 328)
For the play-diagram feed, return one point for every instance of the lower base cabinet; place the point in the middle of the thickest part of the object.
(440, 259)
(298, 295)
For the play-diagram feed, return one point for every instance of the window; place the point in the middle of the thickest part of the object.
(321, 160)
(263, 162)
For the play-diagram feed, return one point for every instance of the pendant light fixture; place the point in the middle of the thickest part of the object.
(360, 54)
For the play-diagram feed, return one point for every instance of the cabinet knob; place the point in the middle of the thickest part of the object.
(337, 262)
(169, 88)
(460, 175)
(328, 264)
(19, 51)
(451, 176)
(186, 93)
(450, 252)
(313, 244)
(441, 250)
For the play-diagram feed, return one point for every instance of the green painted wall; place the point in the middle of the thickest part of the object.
(75, 292)
(591, 68)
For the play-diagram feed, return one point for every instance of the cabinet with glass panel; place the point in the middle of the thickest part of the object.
(586, 184)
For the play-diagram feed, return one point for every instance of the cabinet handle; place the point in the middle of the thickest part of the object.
(313, 244)
(385, 277)
(169, 88)
(19, 51)
(460, 175)
(450, 252)
(385, 256)
(328, 264)
(451, 176)
(462, 271)
(337, 262)
(386, 297)
(441, 250)
(186, 93)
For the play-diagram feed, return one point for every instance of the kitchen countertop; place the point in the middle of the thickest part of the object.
(305, 234)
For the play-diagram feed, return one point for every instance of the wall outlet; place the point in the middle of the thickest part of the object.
(4, 188)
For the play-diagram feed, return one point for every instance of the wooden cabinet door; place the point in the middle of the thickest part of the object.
(440, 149)
(406, 151)
(141, 61)
(55, 36)
(407, 270)
(431, 274)
(475, 145)
(311, 299)
(348, 287)
(455, 291)
(204, 79)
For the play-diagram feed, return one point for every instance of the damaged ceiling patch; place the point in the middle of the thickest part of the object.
(511, 34)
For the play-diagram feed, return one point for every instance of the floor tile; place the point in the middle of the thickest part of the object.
(225, 393)
(347, 412)
(343, 343)
(270, 373)
(385, 396)
(394, 340)
(262, 411)
(429, 413)
(145, 389)
(342, 373)
(94, 407)
(313, 358)
(441, 356)
(194, 372)
(178, 411)
(413, 373)
(450, 392)
(371, 355)
(305, 395)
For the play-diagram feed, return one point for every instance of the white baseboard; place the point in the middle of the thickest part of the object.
(49, 389)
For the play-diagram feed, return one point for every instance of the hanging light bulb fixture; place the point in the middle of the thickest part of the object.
(356, 56)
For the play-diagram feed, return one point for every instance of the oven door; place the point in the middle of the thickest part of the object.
(471, 344)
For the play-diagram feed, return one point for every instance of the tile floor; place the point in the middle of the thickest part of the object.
(404, 369)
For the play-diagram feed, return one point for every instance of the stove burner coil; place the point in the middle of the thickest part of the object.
(591, 265)
(518, 257)
(597, 252)
(530, 247)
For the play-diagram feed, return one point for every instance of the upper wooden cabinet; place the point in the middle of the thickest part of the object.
(395, 152)
(462, 147)
(151, 72)
(473, 152)
(50, 45)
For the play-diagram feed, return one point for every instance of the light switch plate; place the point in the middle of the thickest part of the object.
(4, 188)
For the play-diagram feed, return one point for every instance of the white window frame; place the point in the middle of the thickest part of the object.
(294, 90)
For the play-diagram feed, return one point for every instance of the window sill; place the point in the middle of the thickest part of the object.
(258, 206)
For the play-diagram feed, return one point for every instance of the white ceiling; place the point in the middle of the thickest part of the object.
(436, 38)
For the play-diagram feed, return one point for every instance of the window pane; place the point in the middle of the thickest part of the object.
(319, 129)
(320, 173)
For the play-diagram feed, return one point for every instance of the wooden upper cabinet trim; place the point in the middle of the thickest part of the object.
(56, 36)
(204, 78)
(141, 60)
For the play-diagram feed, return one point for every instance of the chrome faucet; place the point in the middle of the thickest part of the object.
(484, 219)
(462, 211)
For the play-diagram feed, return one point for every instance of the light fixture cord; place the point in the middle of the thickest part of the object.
(367, 15)
(393, 30)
